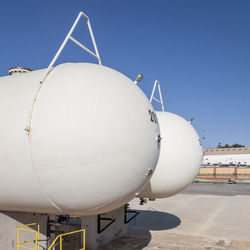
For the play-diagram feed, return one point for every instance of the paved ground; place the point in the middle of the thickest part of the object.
(218, 189)
(204, 216)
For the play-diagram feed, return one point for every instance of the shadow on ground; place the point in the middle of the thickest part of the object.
(139, 234)
(154, 220)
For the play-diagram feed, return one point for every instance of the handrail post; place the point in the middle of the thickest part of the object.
(61, 242)
(84, 239)
(38, 233)
(36, 241)
(18, 239)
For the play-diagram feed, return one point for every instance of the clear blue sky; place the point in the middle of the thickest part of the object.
(199, 50)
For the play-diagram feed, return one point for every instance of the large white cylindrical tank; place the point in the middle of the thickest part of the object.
(81, 143)
(180, 157)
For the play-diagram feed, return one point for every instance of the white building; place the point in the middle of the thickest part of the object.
(227, 156)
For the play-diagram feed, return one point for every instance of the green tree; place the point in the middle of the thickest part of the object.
(236, 145)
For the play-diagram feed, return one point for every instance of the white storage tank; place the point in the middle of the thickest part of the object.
(81, 143)
(180, 157)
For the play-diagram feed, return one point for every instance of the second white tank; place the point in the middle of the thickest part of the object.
(180, 157)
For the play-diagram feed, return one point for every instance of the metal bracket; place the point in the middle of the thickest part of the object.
(96, 54)
(154, 98)
(99, 219)
(126, 212)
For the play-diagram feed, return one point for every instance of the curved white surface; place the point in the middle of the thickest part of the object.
(180, 157)
(90, 146)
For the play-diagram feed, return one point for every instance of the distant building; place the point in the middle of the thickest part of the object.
(227, 157)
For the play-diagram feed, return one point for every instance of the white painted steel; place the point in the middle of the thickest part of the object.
(159, 91)
(89, 146)
(83, 47)
(96, 54)
(180, 157)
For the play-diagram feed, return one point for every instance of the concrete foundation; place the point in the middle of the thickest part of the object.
(99, 229)
(98, 233)
(8, 232)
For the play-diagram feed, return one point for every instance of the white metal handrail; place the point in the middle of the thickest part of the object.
(96, 54)
(154, 98)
